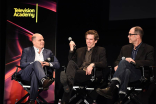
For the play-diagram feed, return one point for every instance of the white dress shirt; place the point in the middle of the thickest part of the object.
(39, 56)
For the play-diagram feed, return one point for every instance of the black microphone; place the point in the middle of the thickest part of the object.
(70, 39)
(123, 58)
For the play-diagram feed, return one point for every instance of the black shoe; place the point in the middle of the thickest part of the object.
(63, 79)
(107, 92)
(47, 83)
(118, 102)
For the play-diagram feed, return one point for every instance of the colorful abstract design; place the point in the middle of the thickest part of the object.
(18, 38)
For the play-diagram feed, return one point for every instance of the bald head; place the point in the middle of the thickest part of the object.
(138, 30)
(35, 35)
(38, 40)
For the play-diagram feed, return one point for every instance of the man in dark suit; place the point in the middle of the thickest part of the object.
(33, 63)
(81, 63)
(131, 57)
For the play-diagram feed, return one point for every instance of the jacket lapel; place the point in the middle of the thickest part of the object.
(44, 54)
(94, 53)
(140, 51)
(129, 51)
(32, 54)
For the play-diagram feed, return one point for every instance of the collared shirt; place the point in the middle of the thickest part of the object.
(87, 60)
(134, 51)
(39, 56)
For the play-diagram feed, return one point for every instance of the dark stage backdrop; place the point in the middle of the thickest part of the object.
(23, 19)
(112, 19)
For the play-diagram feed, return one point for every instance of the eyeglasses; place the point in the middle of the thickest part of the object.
(132, 34)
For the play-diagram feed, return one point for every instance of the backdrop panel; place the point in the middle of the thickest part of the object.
(23, 19)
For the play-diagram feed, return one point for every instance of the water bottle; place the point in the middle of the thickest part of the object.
(59, 102)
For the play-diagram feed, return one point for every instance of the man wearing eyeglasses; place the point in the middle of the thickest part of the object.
(131, 57)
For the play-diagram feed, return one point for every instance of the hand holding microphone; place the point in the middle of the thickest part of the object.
(46, 62)
(71, 44)
(130, 60)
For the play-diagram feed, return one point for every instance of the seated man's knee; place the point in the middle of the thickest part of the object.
(128, 71)
(123, 62)
(71, 62)
(36, 63)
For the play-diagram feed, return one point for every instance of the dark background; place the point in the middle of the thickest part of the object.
(111, 18)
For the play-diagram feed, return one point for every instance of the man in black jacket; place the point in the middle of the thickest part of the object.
(81, 63)
(131, 57)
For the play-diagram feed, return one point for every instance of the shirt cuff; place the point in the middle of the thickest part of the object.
(31, 62)
(51, 65)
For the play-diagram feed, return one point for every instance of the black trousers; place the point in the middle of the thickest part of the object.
(74, 74)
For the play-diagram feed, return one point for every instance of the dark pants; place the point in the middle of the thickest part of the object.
(74, 74)
(33, 73)
(126, 73)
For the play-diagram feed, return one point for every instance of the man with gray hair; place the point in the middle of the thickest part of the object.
(33, 63)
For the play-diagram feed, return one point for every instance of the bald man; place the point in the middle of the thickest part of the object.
(135, 54)
(32, 64)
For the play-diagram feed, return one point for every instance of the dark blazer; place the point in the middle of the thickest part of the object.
(98, 56)
(144, 57)
(28, 56)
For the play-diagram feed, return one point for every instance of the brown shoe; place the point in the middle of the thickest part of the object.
(32, 102)
(46, 84)
(107, 92)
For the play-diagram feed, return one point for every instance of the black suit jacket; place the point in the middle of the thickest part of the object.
(144, 57)
(98, 56)
(28, 56)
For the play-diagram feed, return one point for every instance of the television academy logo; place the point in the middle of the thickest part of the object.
(26, 12)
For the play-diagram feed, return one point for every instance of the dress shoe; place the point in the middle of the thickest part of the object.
(32, 102)
(63, 80)
(107, 92)
(46, 84)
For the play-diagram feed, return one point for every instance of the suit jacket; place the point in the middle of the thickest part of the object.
(98, 56)
(28, 56)
(144, 57)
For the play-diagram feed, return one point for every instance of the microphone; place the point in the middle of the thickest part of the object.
(70, 39)
(47, 60)
(123, 58)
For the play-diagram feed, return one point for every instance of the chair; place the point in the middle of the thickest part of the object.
(27, 87)
(83, 92)
(135, 88)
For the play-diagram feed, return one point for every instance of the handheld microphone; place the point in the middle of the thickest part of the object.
(123, 58)
(70, 39)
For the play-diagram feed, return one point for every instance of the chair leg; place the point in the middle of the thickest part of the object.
(44, 101)
(71, 99)
(79, 101)
(85, 101)
(19, 102)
